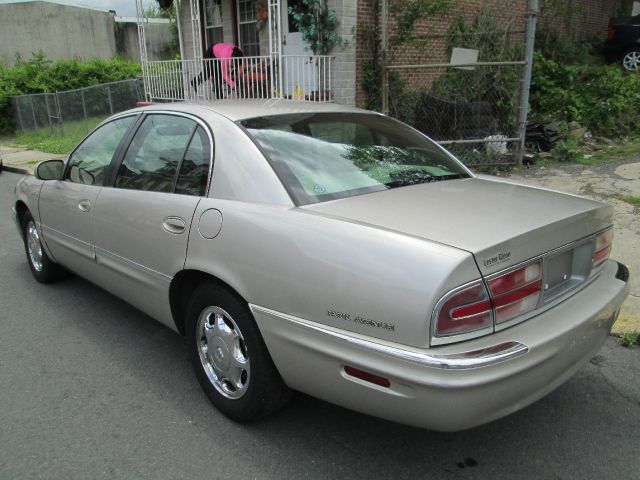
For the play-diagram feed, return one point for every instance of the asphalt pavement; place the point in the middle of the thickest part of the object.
(91, 388)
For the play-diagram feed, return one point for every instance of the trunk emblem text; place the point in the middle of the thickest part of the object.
(501, 257)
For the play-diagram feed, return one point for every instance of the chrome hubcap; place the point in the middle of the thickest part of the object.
(223, 352)
(631, 61)
(34, 247)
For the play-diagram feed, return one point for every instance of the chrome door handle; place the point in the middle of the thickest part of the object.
(84, 205)
(174, 225)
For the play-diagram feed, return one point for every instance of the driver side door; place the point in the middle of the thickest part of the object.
(66, 205)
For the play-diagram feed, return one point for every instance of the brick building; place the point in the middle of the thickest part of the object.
(265, 31)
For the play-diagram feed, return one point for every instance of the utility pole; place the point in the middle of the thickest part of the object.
(384, 44)
(532, 20)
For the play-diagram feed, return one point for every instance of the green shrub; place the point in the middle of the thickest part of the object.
(38, 75)
(603, 98)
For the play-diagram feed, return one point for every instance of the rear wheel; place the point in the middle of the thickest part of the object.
(229, 356)
(631, 60)
(42, 267)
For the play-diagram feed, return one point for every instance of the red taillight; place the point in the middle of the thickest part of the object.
(465, 310)
(473, 308)
(604, 242)
(516, 292)
(610, 32)
(476, 309)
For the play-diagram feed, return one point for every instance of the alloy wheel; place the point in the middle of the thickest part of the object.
(631, 60)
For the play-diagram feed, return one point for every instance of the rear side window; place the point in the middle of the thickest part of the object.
(155, 153)
(89, 162)
(194, 170)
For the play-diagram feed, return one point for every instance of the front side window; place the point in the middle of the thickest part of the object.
(154, 155)
(89, 163)
(326, 156)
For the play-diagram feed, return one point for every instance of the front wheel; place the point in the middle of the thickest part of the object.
(42, 267)
(229, 356)
(631, 60)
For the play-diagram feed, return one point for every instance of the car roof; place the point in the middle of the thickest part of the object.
(242, 109)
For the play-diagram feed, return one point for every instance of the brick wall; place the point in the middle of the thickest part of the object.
(584, 18)
(589, 18)
(344, 62)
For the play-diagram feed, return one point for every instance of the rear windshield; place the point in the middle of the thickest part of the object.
(326, 156)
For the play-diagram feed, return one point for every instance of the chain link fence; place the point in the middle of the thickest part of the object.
(466, 89)
(75, 111)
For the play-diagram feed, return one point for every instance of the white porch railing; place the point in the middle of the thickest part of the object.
(304, 77)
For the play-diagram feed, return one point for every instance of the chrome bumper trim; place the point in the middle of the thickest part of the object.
(458, 361)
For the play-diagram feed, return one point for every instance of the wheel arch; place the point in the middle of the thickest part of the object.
(181, 287)
(21, 209)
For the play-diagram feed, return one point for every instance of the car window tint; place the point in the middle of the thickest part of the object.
(88, 164)
(155, 152)
(194, 170)
(342, 132)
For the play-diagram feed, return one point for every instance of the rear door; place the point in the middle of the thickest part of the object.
(141, 224)
(66, 206)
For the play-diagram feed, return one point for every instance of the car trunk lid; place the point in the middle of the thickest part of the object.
(500, 223)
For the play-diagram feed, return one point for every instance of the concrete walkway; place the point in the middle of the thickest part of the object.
(21, 160)
(611, 183)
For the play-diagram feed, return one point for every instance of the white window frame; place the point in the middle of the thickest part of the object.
(210, 27)
(253, 20)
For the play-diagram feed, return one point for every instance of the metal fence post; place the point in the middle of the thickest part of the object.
(33, 114)
(84, 110)
(532, 20)
(109, 96)
(59, 115)
(17, 101)
(46, 102)
(384, 44)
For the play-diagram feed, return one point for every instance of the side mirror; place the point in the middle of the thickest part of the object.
(49, 170)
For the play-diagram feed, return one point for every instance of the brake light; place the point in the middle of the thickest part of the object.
(604, 242)
(473, 308)
(478, 307)
(516, 292)
(610, 31)
(465, 310)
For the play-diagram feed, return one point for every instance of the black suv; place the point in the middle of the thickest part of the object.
(623, 42)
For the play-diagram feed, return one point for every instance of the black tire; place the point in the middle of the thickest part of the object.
(264, 391)
(45, 270)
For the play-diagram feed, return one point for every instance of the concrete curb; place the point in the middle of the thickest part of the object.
(13, 169)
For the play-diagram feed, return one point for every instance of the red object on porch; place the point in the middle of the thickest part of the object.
(144, 104)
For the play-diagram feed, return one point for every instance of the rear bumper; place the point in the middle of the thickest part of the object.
(453, 387)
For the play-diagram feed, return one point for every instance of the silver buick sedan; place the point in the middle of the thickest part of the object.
(333, 251)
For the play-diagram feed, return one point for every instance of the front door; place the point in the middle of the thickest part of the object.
(299, 70)
(66, 206)
(141, 224)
